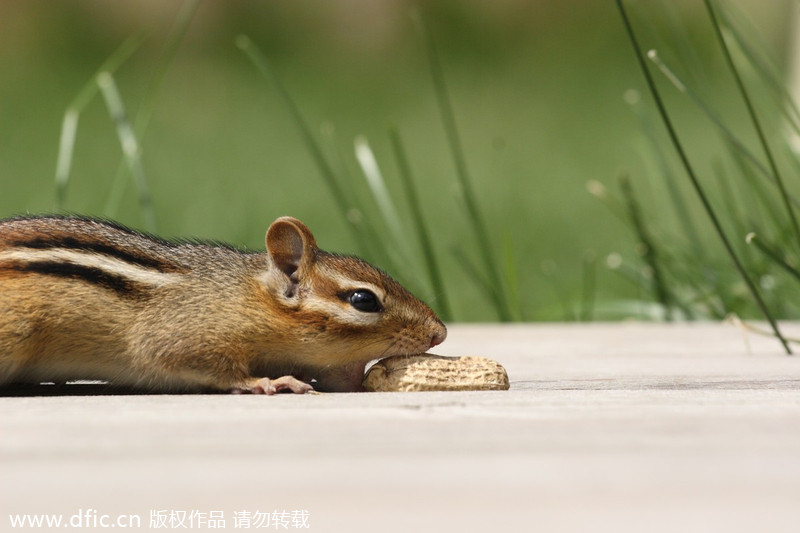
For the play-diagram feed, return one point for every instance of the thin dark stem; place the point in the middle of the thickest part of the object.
(714, 118)
(474, 214)
(650, 255)
(148, 104)
(589, 288)
(773, 254)
(754, 117)
(419, 224)
(694, 180)
(329, 176)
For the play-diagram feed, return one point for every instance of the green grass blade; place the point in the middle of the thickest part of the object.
(771, 252)
(711, 115)
(145, 112)
(372, 245)
(176, 35)
(130, 146)
(754, 118)
(473, 212)
(756, 188)
(397, 249)
(737, 147)
(642, 280)
(110, 65)
(263, 66)
(740, 224)
(650, 252)
(727, 197)
(423, 234)
(616, 264)
(599, 191)
(511, 278)
(694, 180)
(588, 287)
(66, 147)
(766, 69)
(69, 125)
(682, 213)
(377, 186)
(550, 270)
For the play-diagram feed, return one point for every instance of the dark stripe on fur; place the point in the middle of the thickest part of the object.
(72, 243)
(96, 276)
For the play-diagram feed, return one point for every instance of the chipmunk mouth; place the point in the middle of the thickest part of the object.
(401, 353)
(349, 377)
(346, 378)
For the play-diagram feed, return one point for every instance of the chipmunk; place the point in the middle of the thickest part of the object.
(82, 298)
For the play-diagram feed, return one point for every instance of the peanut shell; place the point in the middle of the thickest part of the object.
(428, 372)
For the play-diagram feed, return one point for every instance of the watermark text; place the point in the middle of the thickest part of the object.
(276, 520)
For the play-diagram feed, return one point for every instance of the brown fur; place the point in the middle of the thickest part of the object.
(86, 299)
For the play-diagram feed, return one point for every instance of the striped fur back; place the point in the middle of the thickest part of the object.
(98, 252)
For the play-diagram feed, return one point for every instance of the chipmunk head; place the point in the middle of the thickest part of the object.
(345, 312)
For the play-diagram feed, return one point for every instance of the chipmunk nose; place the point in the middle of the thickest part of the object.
(438, 337)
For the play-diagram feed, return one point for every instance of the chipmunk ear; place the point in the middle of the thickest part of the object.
(291, 246)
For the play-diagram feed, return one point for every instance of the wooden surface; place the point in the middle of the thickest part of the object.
(606, 428)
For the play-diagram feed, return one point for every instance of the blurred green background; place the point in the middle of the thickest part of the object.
(537, 88)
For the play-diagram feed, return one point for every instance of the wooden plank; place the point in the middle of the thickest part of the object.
(620, 427)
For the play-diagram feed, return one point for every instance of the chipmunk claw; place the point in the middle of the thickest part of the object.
(273, 386)
(290, 383)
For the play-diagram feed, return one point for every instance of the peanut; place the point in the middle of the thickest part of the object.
(427, 372)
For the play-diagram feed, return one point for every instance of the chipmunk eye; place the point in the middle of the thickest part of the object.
(365, 301)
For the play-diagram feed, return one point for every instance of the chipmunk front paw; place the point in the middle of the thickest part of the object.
(273, 386)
